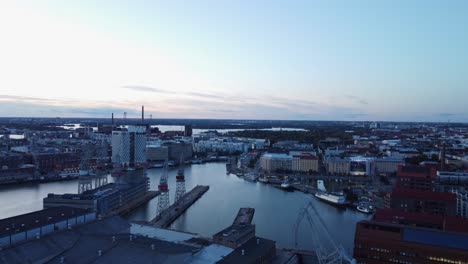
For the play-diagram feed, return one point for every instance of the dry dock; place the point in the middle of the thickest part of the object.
(244, 216)
(169, 215)
(123, 210)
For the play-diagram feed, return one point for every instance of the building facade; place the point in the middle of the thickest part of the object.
(378, 242)
(272, 162)
(337, 166)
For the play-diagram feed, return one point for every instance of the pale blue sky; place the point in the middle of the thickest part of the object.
(314, 60)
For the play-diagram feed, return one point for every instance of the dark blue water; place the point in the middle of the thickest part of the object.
(275, 216)
(276, 211)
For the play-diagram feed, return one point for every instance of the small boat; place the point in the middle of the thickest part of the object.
(285, 186)
(263, 180)
(363, 209)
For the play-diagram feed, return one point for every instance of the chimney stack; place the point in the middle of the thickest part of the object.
(112, 119)
(442, 158)
(142, 113)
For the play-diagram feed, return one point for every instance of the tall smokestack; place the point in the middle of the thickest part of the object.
(442, 158)
(112, 119)
(142, 113)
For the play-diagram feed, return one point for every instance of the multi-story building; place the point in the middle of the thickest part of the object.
(413, 200)
(177, 148)
(416, 177)
(129, 146)
(304, 163)
(337, 166)
(272, 162)
(157, 152)
(387, 165)
(361, 166)
(379, 242)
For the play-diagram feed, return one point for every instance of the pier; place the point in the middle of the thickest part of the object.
(304, 188)
(169, 215)
(244, 216)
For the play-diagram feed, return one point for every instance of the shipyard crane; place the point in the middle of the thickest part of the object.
(102, 158)
(180, 179)
(325, 248)
(85, 181)
(163, 199)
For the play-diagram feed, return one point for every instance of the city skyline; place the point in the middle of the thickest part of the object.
(388, 61)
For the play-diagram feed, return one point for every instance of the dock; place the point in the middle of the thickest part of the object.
(244, 216)
(304, 188)
(169, 215)
(126, 209)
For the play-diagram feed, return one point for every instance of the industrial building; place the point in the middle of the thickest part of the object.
(34, 225)
(178, 148)
(379, 242)
(105, 199)
(157, 153)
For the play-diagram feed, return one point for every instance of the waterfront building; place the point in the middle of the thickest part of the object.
(32, 226)
(271, 162)
(176, 149)
(380, 242)
(157, 152)
(129, 146)
(103, 200)
(337, 166)
(304, 163)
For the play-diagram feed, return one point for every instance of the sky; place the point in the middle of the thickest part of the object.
(369, 60)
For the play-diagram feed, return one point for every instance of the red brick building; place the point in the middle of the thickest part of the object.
(416, 177)
(379, 242)
(438, 203)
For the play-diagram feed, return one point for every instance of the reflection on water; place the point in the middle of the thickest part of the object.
(275, 215)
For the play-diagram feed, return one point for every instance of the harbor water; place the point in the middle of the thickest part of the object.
(276, 211)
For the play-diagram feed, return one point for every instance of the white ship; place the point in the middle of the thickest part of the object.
(333, 199)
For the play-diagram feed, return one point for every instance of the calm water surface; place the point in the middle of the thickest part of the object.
(275, 216)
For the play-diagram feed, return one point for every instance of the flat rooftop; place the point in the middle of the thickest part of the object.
(24, 222)
(104, 241)
(234, 232)
(253, 249)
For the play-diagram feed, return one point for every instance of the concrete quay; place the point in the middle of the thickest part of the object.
(169, 215)
(244, 216)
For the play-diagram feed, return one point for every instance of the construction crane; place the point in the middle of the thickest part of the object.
(85, 181)
(325, 248)
(163, 199)
(180, 179)
(102, 158)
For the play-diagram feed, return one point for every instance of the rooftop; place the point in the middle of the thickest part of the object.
(253, 250)
(235, 231)
(424, 195)
(82, 245)
(277, 156)
(21, 223)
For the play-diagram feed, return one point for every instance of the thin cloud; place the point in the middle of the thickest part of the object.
(25, 98)
(142, 88)
(358, 99)
(447, 114)
(206, 95)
